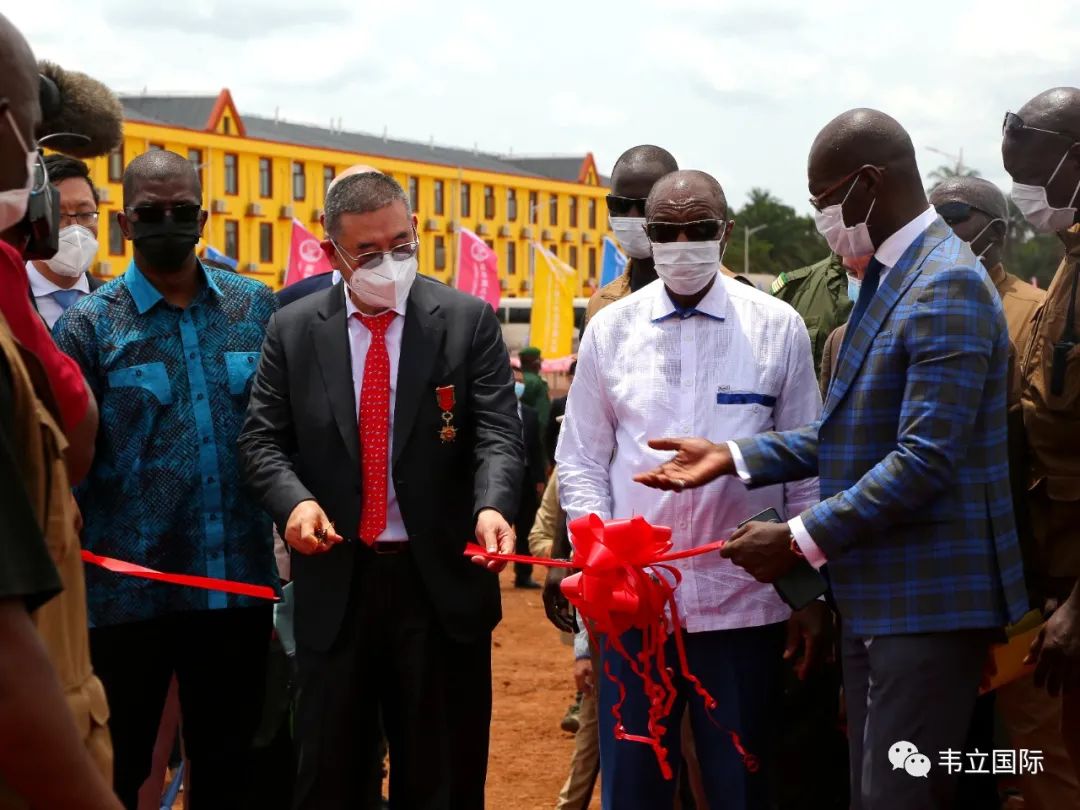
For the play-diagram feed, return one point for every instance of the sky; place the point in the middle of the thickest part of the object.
(737, 88)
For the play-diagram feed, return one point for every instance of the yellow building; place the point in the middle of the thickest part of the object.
(259, 173)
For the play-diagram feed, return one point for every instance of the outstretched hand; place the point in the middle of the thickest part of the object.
(696, 462)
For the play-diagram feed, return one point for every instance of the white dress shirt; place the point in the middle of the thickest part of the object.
(42, 289)
(359, 341)
(740, 365)
(890, 252)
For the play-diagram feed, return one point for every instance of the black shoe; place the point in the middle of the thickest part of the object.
(528, 585)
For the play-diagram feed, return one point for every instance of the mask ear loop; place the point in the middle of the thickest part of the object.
(851, 188)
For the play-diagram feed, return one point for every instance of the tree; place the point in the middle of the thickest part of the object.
(788, 241)
(947, 171)
(1030, 255)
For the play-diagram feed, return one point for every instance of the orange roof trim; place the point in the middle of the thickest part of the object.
(225, 103)
(588, 163)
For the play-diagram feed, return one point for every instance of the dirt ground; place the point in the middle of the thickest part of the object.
(532, 686)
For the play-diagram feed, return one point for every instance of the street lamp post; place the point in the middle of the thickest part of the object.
(747, 233)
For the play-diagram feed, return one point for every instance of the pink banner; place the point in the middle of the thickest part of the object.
(306, 257)
(478, 268)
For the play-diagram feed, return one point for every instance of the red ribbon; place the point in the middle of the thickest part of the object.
(191, 581)
(614, 592)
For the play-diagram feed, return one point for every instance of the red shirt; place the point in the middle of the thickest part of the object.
(65, 376)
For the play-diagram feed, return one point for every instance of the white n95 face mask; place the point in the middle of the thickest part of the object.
(630, 233)
(1036, 208)
(686, 267)
(387, 285)
(76, 251)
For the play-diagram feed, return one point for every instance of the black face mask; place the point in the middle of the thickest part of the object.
(166, 245)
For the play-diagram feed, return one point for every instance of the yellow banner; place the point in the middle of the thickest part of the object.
(551, 329)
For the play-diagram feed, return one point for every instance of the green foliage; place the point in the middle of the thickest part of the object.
(947, 171)
(1030, 255)
(788, 241)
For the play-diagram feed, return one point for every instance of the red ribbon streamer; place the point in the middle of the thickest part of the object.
(614, 593)
(191, 581)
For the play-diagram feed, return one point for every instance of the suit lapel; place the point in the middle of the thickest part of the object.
(896, 283)
(330, 334)
(421, 345)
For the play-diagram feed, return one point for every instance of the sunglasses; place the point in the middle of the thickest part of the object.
(155, 214)
(818, 201)
(1014, 124)
(701, 230)
(956, 212)
(369, 261)
(622, 206)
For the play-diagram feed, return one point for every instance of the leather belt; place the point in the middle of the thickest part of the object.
(390, 546)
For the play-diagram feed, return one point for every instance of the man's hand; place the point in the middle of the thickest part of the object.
(763, 549)
(583, 675)
(810, 628)
(309, 530)
(496, 535)
(696, 462)
(556, 605)
(1056, 650)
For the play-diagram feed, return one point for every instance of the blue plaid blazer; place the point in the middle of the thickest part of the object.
(916, 515)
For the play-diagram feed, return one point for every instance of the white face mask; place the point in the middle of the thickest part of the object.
(630, 232)
(76, 252)
(849, 242)
(387, 285)
(853, 287)
(686, 267)
(1036, 208)
(989, 244)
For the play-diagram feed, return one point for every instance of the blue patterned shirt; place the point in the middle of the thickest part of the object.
(165, 489)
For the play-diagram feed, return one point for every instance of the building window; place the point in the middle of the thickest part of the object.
(534, 208)
(554, 250)
(573, 256)
(232, 239)
(511, 258)
(195, 157)
(299, 181)
(489, 243)
(266, 242)
(489, 202)
(553, 210)
(440, 249)
(592, 263)
(232, 184)
(327, 179)
(116, 165)
(226, 125)
(266, 177)
(466, 200)
(116, 236)
(414, 194)
(573, 212)
(592, 214)
(511, 205)
(157, 146)
(437, 202)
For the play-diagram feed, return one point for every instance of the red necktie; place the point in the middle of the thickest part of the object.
(375, 427)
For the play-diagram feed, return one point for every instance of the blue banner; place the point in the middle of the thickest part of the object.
(614, 262)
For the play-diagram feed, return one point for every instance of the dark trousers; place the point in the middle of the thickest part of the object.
(434, 693)
(917, 689)
(522, 526)
(741, 670)
(219, 658)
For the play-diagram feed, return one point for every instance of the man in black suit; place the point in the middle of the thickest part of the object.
(532, 486)
(57, 283)
(383, 434)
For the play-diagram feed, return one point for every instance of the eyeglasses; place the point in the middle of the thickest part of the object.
(85, 218)
(622, 206)
(956, 212)
(818, 201)
(1014, 124)
(155, 214)
(701, 230)
(371, 260)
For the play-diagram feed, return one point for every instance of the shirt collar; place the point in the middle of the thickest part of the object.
(351, 308)
(41, 286)
(894, 247)
(146, 295)
(335, 277)
(713, 305)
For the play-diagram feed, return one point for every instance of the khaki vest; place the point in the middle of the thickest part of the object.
(61, 621)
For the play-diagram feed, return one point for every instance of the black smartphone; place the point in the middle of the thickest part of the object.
(803, 583)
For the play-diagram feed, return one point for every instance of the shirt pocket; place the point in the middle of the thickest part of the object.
(240, 366)
(745, 411)
(151, 377)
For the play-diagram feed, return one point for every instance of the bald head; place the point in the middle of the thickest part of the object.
(158, 168)
(356, 168)
(638, 168)
(858, 138)
(686, 195)
(973, 191)
(1057, 109)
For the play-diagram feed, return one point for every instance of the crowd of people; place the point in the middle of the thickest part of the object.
(907, 409)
